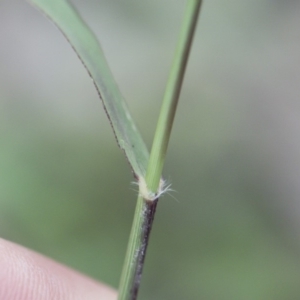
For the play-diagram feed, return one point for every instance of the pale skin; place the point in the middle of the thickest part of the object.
(27, 275)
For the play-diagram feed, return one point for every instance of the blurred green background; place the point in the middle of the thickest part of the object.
(231, 229)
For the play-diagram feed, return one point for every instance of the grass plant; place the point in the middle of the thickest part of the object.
(147, 168)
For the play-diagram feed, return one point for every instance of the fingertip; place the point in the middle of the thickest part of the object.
(27, 275)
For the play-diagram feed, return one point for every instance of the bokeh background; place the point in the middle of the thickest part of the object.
(231, 229)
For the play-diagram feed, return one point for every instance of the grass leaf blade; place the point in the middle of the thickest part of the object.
(85, 44)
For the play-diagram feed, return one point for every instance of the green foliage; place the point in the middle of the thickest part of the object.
(90, 53)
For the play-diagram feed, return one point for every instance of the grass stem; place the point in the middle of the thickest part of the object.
(145, 208)
(170, 100)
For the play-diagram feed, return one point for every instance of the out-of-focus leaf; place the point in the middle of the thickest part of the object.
(84, 42)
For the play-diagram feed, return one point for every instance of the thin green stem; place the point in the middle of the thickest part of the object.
(145, 208)
(169, 105)
(136, 251)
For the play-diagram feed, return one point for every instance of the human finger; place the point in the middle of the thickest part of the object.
(27, 275)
